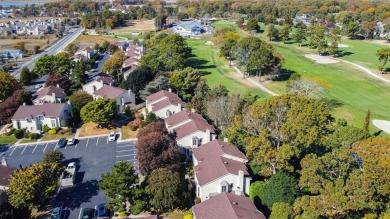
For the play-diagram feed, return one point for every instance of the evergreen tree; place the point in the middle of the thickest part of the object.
(367, 121)
(25, 76)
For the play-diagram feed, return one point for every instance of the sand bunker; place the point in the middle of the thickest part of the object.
(383, 125)
(340, 45)
(209, 43)
(321, 59)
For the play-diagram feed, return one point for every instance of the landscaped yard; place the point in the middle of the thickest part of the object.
(50, 137)
(127, 133)
(7, 139)
(26, 140)
(216, 69)
(90, 129)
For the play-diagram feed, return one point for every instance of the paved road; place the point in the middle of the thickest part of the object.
(52, 50)
(93, 157)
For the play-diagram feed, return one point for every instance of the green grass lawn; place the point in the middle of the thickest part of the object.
(219, 24)
(26, 140)
(355, 90)
(362, 53)
(7, 139)
(215, 69)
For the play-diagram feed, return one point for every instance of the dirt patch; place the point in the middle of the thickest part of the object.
(340, 45)
(30, 43)
(135, 25)
(89, 40)
(321, 59)
(90, 129)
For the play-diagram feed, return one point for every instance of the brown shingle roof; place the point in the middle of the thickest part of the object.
(195, 123)
(161, 94)
(166, 102)
(109, 92)
(209, 170)
(5, 174)
(89, 49)
(59, 92)
(46, 109)
(217, 148)
(106, 80)
(227, 206)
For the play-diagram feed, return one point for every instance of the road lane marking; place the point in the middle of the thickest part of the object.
(97, 141)
(80, 213)
(107, 140)
(23, 150)
(126, 150)
(125, 146)
(87, 142)
(76, 145)
(35, 148)
(12, 151)
(45, 147)
(124, 155)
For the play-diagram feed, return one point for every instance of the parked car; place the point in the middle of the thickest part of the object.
(61, 143)
(71, 141)
(56, 212)
(87, 213)
(101, 210)
(38, 86)
(112, 136)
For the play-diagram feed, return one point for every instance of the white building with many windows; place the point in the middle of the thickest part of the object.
(35, 117)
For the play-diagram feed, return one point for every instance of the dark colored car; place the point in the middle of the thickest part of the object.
(101, 210)
(61, 143)
(87, 213)
(56, 212)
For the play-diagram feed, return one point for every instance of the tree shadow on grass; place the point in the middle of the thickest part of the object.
(333, 103)
(199, 63)
(204, 73)
(343, 53)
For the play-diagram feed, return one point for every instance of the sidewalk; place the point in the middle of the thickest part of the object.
(257, 84)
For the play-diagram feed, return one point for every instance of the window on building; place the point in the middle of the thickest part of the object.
(29, 120)
(198, 192)
(53, 123)
(231, 187)
(224, 189)
(195, 142)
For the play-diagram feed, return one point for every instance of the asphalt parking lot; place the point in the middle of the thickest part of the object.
(93, 157)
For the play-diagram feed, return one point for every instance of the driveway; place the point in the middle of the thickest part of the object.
(93, 157)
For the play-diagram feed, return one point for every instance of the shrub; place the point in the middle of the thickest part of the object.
(128, 111)
(12, 131)
(122, 214)
(52, 131)
(141, 116)
(46, 128)
(19, 133)
(7, 134)
(64, 122)
(35, 136)
(26, 135)
(137, 208)
(57, 129)
(188, 215)
(197, 200)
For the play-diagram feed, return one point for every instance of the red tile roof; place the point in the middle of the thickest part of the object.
(166, 102)
(217, 148)
(161, 94)
(59, 92)
(109, 92)
(209, 170)
(5, 174)
(227, 206)
(46, 109)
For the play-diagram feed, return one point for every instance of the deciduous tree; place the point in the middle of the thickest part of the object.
(281, 210)
(9, 106)
(138, 79)
(62, 81)
(253, 24)
(30, 186)
(51, 64)
(281, 187)
(8, 85)
(352, 29)
(383, 56)
(53, 157)
(25, 76)
(101, 112)
(300, 35)
(272, 32)
(284, 33)
(185, 81)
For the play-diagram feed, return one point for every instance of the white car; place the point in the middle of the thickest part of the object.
(112, 136)
(71, 165)
(71, 141)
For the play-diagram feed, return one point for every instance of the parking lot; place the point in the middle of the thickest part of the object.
(93, 157)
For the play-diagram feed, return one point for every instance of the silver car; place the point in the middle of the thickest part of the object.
(112, 136)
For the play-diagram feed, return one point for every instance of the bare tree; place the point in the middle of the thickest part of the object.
(306, 88)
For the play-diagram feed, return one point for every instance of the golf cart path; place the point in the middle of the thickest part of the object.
(257, 84)
(364, 69)
(383, 125)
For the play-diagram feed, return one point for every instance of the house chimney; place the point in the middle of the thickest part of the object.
(170, 90)
(179, 107)
(193, 110)
(208, 136)
(226, 140)
(24, 103)
(54, 97)
(58, 85)
(4, 162)
(240, 181)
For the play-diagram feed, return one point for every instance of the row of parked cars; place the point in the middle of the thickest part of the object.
(100, 212)
(72, 141)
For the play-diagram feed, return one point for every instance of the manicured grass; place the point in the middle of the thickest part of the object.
(362, 53)
(49, 137)
(353, 89)
(26, 140)
(233, 24)
(7, 139)
(216, 69)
